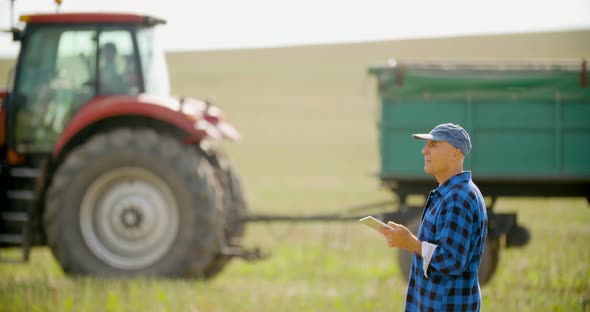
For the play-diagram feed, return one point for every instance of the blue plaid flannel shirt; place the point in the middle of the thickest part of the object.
(455, 219)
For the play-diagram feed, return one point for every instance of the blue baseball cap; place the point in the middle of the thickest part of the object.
(448, 132)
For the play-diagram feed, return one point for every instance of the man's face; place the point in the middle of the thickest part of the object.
(109, 54)
(437, 156)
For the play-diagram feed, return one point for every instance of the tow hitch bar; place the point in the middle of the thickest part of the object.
(245, 254)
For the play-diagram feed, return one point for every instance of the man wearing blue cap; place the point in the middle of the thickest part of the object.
(450, 242)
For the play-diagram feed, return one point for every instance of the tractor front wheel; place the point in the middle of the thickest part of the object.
(234, 208)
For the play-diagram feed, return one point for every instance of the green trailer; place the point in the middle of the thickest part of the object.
(529, 124)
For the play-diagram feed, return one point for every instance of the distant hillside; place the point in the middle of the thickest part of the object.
(568, 44)
(295, 65)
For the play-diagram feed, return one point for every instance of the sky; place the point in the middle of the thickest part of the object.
(235, 24)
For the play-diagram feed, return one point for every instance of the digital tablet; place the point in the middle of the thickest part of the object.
(374, 223)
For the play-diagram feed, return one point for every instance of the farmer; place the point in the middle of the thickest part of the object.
(450, 242)
(111, 79)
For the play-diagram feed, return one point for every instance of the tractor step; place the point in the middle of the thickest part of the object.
(21, 239)
(11, 238)
(16, 239)
(20, 194)
(25, 172)
(15, 216)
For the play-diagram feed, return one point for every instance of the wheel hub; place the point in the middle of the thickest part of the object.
(129, 218)
(133, 217)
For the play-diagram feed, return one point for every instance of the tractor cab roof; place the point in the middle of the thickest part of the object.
(91, 18)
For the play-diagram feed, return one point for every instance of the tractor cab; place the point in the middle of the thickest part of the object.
(68, 59)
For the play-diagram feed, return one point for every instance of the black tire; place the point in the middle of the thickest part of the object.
(234, 209)
(487, 267)
(404, 257)
(489, 259)
(117, 199)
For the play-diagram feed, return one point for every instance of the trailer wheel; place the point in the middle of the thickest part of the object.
(134, 202)
(487, 267)
(234, 208)
(404, 257)
(489, 259)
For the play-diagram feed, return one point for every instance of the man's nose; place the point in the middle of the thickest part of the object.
(425, 150)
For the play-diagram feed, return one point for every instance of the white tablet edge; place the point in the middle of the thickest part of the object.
(374, 223)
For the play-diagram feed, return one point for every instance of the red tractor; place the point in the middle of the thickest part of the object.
(98, 162)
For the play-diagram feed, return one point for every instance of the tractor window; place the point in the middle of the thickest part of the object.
(55, 78)
(153, 63)
(117, 63)
(73, 57)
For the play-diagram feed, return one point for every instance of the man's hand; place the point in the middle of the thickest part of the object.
(401, 237)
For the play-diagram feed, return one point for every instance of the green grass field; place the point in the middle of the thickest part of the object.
(307, 116)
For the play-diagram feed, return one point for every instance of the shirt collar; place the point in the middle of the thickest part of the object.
(456, 179)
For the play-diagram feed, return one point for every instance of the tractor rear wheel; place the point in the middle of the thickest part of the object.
(234, 208)
(134, 202)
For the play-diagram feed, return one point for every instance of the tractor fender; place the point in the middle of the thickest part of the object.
(188, 115)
